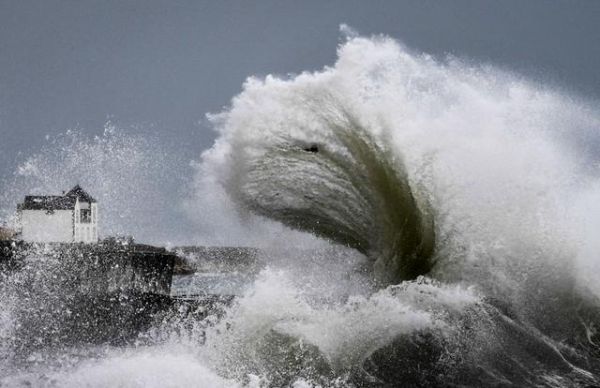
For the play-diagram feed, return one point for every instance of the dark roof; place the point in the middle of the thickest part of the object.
(47, 202)
(56, 202)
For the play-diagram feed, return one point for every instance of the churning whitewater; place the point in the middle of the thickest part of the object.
(457, 206)
(471, 176)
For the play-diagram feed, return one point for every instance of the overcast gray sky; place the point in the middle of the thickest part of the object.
(161, 65)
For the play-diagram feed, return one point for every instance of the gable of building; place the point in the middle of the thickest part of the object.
(81, 194)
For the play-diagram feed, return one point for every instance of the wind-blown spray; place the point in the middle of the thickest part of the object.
(469, 175)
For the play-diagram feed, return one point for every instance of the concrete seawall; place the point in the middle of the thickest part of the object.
(74, 293)
(100, 268)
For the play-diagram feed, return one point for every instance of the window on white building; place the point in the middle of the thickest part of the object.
(86, 216)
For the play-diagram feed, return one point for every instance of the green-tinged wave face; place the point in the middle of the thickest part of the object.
(347, 188)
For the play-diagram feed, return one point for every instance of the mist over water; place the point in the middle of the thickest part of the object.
(457, 206)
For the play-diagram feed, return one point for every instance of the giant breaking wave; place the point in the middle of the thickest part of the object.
(465, 173)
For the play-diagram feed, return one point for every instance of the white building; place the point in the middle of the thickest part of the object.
(72, 217)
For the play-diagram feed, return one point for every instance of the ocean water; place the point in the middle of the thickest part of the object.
(425, 222)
